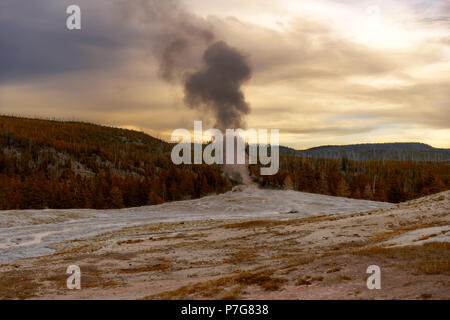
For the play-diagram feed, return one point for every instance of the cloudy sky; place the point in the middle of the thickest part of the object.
(323, 72)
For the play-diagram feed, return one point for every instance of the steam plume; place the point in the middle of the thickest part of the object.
(187, 50)
(217, 85)
(211, 71)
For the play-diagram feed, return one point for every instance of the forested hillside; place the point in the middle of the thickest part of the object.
(53, 164)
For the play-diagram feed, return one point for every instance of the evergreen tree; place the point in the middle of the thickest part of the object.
(343, 188)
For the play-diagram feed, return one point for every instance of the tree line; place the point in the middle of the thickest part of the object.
(62, 165)
(391, 181)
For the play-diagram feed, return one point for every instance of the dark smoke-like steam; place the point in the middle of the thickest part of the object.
(217, 85)
(187, 50)
(179, 43)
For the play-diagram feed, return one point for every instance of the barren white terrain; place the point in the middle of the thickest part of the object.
(28, 233)
(245, 244)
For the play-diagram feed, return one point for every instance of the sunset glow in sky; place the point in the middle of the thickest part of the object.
(324, 72)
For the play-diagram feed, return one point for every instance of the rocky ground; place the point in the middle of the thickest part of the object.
(320, 257)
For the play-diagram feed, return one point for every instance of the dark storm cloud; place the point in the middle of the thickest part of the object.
(217, 86)
(303, 71)
(35, 42)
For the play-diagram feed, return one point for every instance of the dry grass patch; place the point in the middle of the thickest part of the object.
(129, 242)
(333, 270)
(232, 294)
(273, 223)
(91, 277)
(263, 279)
(241, 257)
(303, 260)
(253, 224)
(118, 255)
(163, 266)
(18, 285)
(429, 258)
(218, 288)
(303, 282)
(425, 237)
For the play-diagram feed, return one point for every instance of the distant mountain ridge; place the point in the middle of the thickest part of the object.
(403, 151)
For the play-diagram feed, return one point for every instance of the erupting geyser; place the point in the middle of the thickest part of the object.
(211, 71)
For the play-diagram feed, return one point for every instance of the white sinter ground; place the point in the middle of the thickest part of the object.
(28, 233)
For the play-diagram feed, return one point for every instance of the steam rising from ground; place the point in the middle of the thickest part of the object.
(211, 71)
(237, 173)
